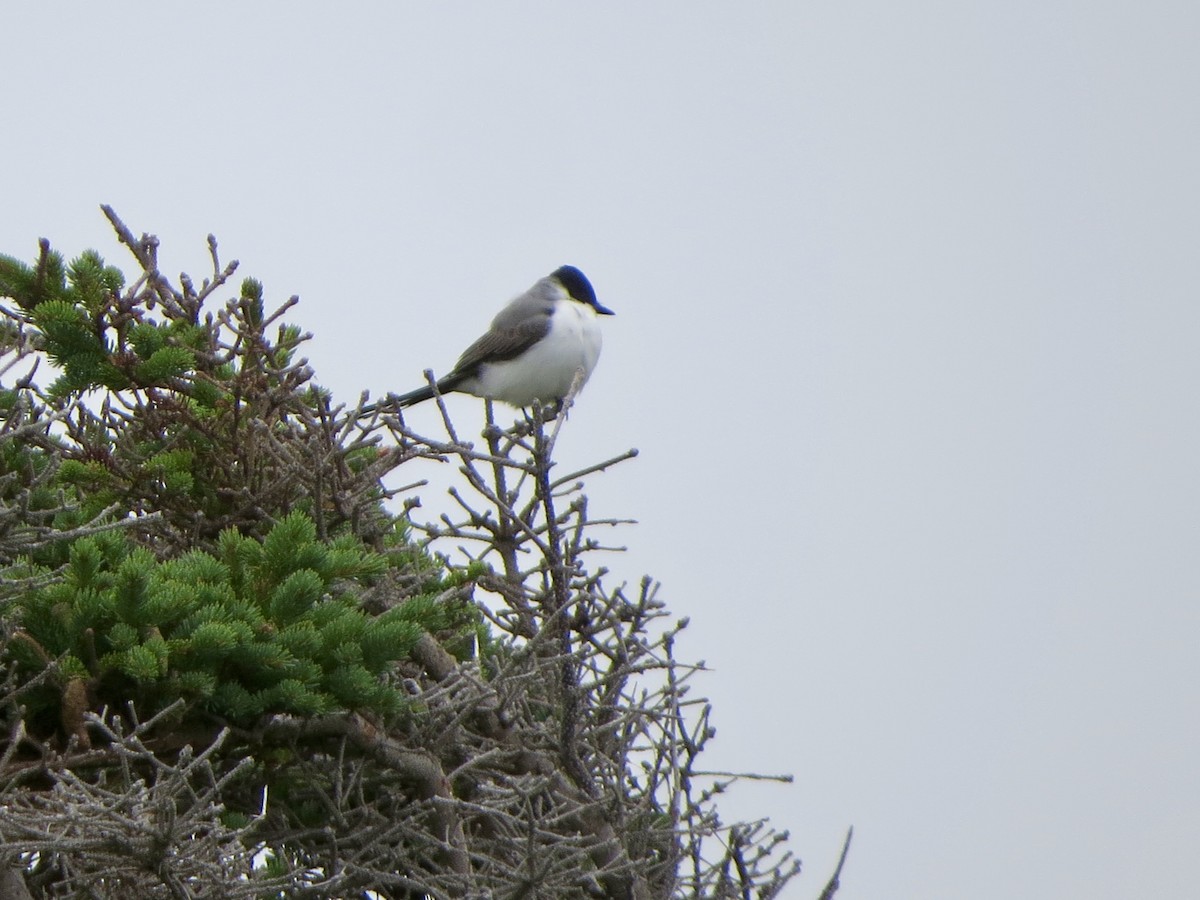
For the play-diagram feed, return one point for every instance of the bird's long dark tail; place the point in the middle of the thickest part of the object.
(421, 394)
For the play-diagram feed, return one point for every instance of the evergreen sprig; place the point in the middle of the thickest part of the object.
(257, 627)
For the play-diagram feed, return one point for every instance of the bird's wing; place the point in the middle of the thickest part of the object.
(518, 327)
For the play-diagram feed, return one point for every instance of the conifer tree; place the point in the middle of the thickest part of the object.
(231, 666)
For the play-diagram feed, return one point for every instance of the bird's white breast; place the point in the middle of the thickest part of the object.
(545, 371)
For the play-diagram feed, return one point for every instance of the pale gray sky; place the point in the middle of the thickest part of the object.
(906, 332)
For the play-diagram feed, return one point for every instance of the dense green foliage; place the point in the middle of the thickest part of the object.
(252, 628)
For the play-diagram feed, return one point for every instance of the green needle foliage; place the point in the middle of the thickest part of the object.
(255, 627)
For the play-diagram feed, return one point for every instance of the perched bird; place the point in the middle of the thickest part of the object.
(533, 348)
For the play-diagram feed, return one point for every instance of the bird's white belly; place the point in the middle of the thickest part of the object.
(545, 371)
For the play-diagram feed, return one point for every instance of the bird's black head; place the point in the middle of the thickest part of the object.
(577, 285)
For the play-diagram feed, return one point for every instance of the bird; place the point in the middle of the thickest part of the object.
(533, 349)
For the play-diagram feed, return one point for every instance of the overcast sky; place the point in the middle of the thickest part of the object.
(906, 333)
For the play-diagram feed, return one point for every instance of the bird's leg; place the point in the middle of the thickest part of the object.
(544, 412)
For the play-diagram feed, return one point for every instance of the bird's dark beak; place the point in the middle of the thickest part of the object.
(604, 311)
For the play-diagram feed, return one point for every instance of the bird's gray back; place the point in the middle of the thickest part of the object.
(518, 326)
(533, 305)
